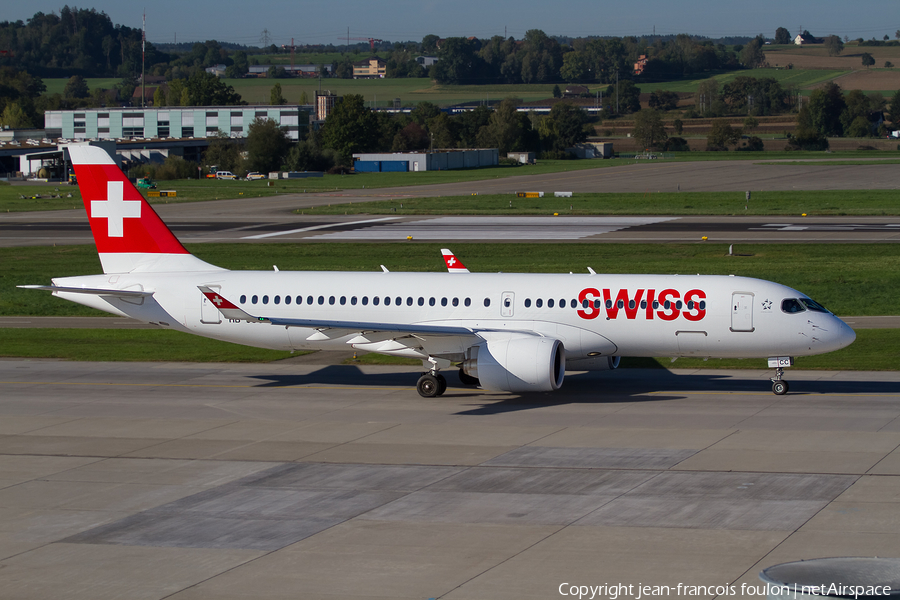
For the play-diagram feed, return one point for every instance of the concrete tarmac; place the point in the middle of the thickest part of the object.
(196, 481)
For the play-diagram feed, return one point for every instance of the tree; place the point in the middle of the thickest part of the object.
(649, 130)
(752, 54)
(678, 125)
(205, 89)
(350, 128)
(275, 97)
(14, 117)
(76, 88)
(411, 137)
(782, 36)
(629, 96)
(557, 93)
(750, 124)
(867, 60)
(721, 134)
(822, 114)
(563, 128)
(888, 64)
(834, 45)
(573, 67)
(858, 107)
(159, 97)
(225, 153)
(894, 108)
(267, 145)
(663, 100)
(507, 129)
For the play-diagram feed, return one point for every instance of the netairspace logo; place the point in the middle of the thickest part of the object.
(614, 591)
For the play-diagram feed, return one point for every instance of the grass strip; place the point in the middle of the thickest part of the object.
(127, 345)
(652, 202)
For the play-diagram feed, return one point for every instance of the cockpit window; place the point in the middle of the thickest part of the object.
(813, 305)
(792, 305)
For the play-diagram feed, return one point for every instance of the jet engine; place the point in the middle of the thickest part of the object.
(517, 364)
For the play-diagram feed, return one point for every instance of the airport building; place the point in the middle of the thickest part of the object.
(172, 122)
(437, 160)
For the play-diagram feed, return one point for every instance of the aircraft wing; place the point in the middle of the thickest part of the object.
(230, 311)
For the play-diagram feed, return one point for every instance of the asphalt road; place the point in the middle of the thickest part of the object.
(193, 481)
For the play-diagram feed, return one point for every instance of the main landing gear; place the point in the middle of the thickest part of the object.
(780, 387)
(431, 385)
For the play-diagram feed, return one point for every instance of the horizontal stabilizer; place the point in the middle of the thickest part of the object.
(91, 291)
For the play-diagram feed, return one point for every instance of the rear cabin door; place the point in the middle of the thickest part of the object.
(209, 313)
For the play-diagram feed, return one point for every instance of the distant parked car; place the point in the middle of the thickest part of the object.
(226, 175)
(255, 175)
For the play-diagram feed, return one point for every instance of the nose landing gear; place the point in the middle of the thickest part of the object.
(780, 387)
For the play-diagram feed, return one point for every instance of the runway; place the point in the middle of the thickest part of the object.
(289, 228)
(190, 481)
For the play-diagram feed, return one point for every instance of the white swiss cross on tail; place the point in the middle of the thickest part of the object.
(116, 209)
(453, 263)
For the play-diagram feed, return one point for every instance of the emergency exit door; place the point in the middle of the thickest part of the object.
(742, 311)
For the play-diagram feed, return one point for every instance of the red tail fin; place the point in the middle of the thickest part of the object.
(127, 231)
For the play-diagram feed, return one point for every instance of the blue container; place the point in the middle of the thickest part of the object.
(394, 166)
(367, 166)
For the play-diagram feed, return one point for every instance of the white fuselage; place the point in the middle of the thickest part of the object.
(591, 314)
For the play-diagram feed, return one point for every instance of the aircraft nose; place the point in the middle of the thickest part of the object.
(843, 336)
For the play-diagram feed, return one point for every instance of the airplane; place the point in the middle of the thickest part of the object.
(513, 332)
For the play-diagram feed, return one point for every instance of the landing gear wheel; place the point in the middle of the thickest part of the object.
(428, 386)
(442, 384)
(780, 387)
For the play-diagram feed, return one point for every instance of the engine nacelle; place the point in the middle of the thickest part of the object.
(518, 364)
(594, 363)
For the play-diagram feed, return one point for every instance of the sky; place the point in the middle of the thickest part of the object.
(326, 22)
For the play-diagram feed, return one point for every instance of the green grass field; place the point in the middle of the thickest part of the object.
(824, 271)
(802, 78)
(796, 203)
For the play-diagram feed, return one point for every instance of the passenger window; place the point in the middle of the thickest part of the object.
(655, 305)
(703, 305)
(321, 300)
(387, 300)
(277, 299)
(254, 299)
(243, 299)
(343, 300)
(365, 300)
(690, 305)
(573, 303)
(309, 300)
(667, 305)
(353, 301)
(643, 304)
(584, 303)
(265, 299)
(487, 302)
(409, 301)
(609, 304)
(538, 303)
(550, 303)
(562, 303)
(507, 302)
(398, 300)
(468, 302)
(431, 302)
(375, 300)
(287, 299)
(678, 305)
(527, 302)
(421, 301)
(597, 303)
(331, 300)
(456, 302)
(792, 305)
(443, 302)
(299, 300)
